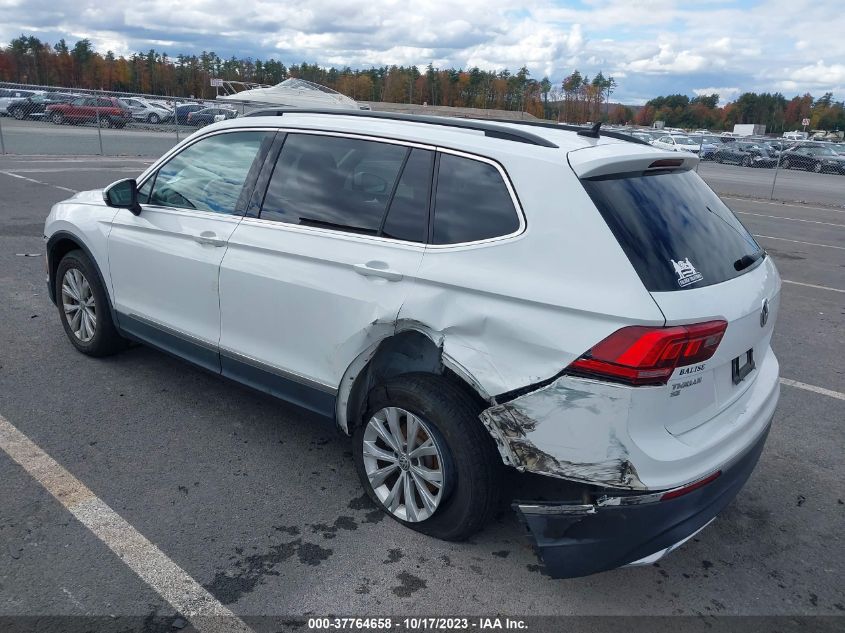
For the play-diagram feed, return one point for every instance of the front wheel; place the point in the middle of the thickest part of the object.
(425, 459)
(785, 164)
(817, 168)
(84, 307)
(19, 114)
(746, 161)
(153, 118)
(57, 117)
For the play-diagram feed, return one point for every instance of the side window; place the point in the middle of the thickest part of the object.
(105, 103)
(471, 202)
(79, 102)
(90, 102)
(145, 190)
(333, 182)
(407, 218)
(208, 175)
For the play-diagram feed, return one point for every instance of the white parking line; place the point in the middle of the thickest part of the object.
(37, 182)
(780, 217)
(801, 283)
(821, 390)
(784, 204)
(154, 567)
(783, 239)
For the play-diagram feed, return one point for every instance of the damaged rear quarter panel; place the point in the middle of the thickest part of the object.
(573, 429)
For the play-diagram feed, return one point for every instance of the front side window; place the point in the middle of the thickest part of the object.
(333, 182)
(471, 203)
(208, 175)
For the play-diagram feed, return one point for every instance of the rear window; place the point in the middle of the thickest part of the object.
(677, 233)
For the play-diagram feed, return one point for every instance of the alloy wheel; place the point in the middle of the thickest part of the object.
(404, 464)
(79, 305)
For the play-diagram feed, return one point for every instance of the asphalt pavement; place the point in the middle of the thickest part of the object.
(259, 503)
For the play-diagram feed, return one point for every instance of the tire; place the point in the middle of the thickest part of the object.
(153, 118)
(817, 168)
(785, 164)
(18, 113)
(717, 158)
(746, 161)
(100, 338)
(466, 456)
(106, 122)
(57, 117)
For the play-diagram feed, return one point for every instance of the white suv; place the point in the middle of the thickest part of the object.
(473, 303)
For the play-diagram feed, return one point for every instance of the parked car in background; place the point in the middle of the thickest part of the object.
(207, 116)
(8, 95)
(817, 158)
(109, 111)
(746, 154)
(182, 111)
(708, 143)
(147, 111)
(677, 143)
(35, 107)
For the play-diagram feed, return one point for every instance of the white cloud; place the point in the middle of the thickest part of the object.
(657, 46)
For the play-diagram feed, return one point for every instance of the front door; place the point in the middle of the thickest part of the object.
(164, 263)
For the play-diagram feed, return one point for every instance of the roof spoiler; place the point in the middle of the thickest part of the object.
(618, 158)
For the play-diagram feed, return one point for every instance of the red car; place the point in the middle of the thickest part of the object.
(110, 111)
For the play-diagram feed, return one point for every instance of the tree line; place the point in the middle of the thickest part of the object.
(577, 99)
(27, 59)
(770, 109)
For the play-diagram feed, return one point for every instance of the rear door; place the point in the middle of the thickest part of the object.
(700, 264)
(322, 272)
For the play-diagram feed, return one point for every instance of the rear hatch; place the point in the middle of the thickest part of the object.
(700, 264)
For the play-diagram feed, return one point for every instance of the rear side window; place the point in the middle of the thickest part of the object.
(407, 218)
(471, 202)
(675, 231)
(333, 182)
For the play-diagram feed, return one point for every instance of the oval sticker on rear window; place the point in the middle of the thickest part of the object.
(687, 274)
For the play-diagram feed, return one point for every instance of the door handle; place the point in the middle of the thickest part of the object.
(377, 269)
(209, 238)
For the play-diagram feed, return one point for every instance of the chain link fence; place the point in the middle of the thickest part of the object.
(46, 120)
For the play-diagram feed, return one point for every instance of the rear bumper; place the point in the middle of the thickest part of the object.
(578, 540)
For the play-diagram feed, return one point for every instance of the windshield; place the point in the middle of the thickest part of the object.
(670, 222)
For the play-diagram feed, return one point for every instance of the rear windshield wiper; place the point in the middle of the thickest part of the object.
(747, 260)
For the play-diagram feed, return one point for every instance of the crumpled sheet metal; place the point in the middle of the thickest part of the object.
(572, 429)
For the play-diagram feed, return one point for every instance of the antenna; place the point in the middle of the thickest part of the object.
(593, 132)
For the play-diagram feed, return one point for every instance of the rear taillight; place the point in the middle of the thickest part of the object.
(640, 355)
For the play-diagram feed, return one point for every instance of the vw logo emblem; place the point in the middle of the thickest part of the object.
(764, 313)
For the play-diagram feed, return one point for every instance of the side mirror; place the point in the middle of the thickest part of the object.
(123, 194)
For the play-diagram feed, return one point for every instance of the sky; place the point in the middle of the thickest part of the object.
(651, 47)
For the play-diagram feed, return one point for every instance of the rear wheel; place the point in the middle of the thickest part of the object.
(425, 459)
(106, 122)
(84, 307)
(153, 118)
(19, 114)
(817, 168)
(57, 117)
(746, 161)
(785, 164)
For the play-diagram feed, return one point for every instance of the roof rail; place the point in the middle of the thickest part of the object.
(582, 130)
(493, 131)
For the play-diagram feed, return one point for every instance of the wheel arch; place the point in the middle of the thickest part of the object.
(60, 244)
(411, 348)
